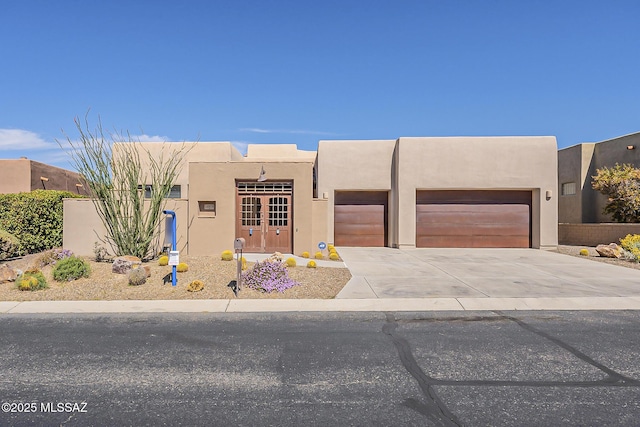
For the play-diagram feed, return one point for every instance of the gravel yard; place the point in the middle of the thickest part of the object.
(593, 255)
(323, 283)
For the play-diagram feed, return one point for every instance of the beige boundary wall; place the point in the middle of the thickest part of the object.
(594, 234)
(82, 226)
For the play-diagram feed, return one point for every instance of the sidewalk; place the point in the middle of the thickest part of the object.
(334, 305)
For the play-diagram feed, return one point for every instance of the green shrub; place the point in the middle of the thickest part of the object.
(311, 264)
(227, 255)
(71, 268)
(35, 218)
(584, 252)
(137, 276)
(182, 267)
(319, 255)
(9, 245)
(31, 280)
(163, 260)
(631, 243)
(195, 286)
(290, 262)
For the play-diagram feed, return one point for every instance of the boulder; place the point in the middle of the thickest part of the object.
(609, 251)
(275, 257)
(147, 268)
(124, 264)
(7, 274)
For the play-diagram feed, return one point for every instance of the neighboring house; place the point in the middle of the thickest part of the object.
(579, 202)
(580, 207)
(409, 192)
(24, 175)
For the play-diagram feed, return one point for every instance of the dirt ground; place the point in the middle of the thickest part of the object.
(322, 283)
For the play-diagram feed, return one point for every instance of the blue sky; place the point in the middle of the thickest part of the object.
(301, 71)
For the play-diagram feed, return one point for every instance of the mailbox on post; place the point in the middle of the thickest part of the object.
(238, 245)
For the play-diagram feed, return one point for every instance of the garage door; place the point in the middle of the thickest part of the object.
(360, 219)
(473, 219)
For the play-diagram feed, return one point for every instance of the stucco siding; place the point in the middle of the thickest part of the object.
(459, 163)
(355, 165)
(15, 176)
(216, 182)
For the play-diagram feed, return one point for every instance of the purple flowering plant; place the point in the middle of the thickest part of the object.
(268, 276)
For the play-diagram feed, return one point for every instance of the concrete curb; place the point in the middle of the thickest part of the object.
(316, 305)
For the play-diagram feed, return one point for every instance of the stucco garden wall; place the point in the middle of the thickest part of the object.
(594, 234)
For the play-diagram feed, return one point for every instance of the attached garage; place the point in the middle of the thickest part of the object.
(360, 218)
(473, 219)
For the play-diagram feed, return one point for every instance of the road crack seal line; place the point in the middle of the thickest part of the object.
(434, 408)
(614, 377)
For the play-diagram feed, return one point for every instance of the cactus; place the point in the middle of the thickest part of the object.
(319, 255)
(195, 286)
(182, 267)
(334, 256)
(305, 254)
(244, 263)
(227, 255)
(584, 252)
(137, 276)
(311, 264)
(290, 262)
(163, 260)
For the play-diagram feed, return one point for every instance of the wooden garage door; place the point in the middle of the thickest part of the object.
(473, 219)
(360, 219)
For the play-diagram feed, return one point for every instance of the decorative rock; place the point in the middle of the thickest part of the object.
(7, 274)
(609, 251)
(147, 268)
(123, 264)
(275, 257)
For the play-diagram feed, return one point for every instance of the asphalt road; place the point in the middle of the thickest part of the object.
(324, 369)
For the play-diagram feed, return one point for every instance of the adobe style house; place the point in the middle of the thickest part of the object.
(579, 202)
(408, 192)
(580, 207)
(24, 175)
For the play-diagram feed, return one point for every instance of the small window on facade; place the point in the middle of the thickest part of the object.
(207, 209)
(568, 188)
(174, 193)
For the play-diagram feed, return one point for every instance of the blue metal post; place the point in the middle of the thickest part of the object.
(174, 244)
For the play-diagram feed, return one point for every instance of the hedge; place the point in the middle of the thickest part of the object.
(35, 218)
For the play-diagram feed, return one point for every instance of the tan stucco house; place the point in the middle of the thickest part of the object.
(407, 192)
(579, 202)
(24, 175)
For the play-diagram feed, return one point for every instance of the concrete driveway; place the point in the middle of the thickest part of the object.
(481, 273)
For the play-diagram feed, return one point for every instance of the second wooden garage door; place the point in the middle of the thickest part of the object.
(360, 218)
(473, 219)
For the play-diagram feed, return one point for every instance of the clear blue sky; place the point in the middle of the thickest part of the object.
(301, 71)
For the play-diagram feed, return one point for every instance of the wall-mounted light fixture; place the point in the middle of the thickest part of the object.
(42, 178)
(263, 175)
(549, 193)
(631, 147)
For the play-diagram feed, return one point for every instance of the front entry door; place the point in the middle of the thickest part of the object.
(265, 222)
